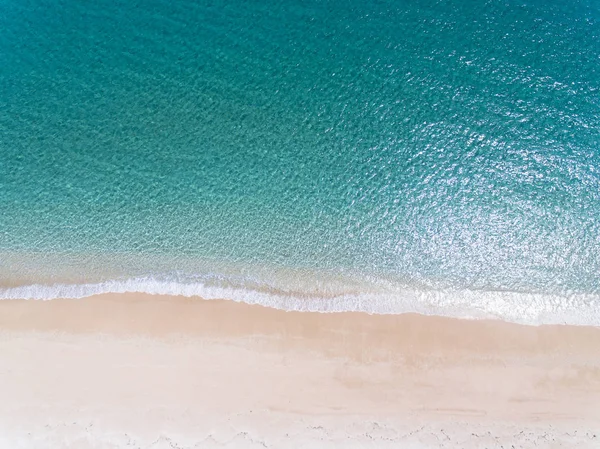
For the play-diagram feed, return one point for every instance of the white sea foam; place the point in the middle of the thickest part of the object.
(533, 309)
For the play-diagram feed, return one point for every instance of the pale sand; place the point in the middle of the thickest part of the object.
(166, 372)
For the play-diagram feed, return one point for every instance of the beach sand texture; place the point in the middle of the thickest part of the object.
(146, 371)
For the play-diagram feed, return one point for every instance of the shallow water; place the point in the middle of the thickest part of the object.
(359, 153)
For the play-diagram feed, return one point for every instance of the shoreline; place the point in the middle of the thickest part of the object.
(346, 294)
(118, 361)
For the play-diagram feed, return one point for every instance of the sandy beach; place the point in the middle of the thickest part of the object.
(168, 372)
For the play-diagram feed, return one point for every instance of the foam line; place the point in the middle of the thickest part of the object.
(533, 309)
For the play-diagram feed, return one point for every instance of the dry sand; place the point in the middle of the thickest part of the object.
(145, 371)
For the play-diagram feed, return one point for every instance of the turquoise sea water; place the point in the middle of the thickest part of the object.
(386, 156)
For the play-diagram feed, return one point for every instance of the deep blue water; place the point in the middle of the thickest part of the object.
(435, 145)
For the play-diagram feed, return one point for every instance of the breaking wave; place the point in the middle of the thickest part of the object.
(524, 308)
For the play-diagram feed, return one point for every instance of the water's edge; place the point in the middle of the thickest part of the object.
(515, 307)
